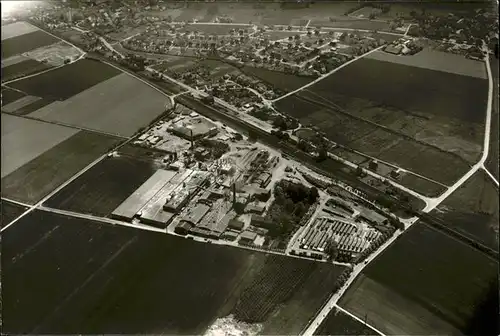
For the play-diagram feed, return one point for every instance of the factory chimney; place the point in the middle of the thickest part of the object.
(192, 144)
(234, 193)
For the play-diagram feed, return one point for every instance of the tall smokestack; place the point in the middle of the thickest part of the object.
(192, 144)
(234, 193)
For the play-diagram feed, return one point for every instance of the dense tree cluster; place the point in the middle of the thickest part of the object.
(292, 202)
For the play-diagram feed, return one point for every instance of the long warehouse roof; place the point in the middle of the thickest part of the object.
(133, 204)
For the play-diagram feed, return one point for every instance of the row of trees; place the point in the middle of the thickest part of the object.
(374, 246)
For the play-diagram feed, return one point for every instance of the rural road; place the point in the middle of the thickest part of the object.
(357, 269)
(102, 219)
(109, 46)
(74, 177)
(326, 75)
(71, 179)
(82, 55)
(356, 318)
(491, 176)
(431, 205)
(44, 71)
(486, 147)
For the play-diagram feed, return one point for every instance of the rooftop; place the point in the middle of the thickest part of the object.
(198, 126)
(248, 235)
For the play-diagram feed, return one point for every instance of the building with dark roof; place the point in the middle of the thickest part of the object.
(260, 221)
(256, 208)
(196, 214)
(236, 224)
(247, 237)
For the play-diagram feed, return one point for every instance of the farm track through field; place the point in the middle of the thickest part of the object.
(336, 108)
(327, 74)
(67, 182)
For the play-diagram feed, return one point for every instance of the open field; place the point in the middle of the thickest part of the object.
(17, 29)
(307, 288)
(275, 35)
(472, 210)
(104, 279)
(218, 68)
(421, 185)
(409, 88)
(9, 95)
(24, 139)
(374, 140)
(103, 187)
(120, 105)
(279, 80)
(441, 287)
(22, 69)
(67, 81)
(10, 211)
(404, 9)
(447, 133)
(339, 323)
(13, 60)
(210, 29)
(262, 13)
(492, 162)
(18, 106)
(436, 60)
(27, 42)
(38, 177)
(345, 22)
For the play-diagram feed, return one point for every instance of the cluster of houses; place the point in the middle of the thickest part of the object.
(403, 46)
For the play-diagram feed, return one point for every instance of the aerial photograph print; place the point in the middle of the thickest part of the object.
(249, 167)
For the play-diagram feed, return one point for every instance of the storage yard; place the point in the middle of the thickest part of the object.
(351, 238)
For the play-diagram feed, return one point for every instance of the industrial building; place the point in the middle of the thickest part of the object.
(194, 129)
(135, 202)
(162, 196)
(257, 208)
(261, 222)
(212, 226)
(247, 237)
(153, 212)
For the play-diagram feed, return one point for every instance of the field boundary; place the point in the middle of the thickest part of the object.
(335, 108)
(490, 175)
(438, 226)
(392, 165)
(327, 74)
(345, 311)
(65, 125)
(15, 202)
